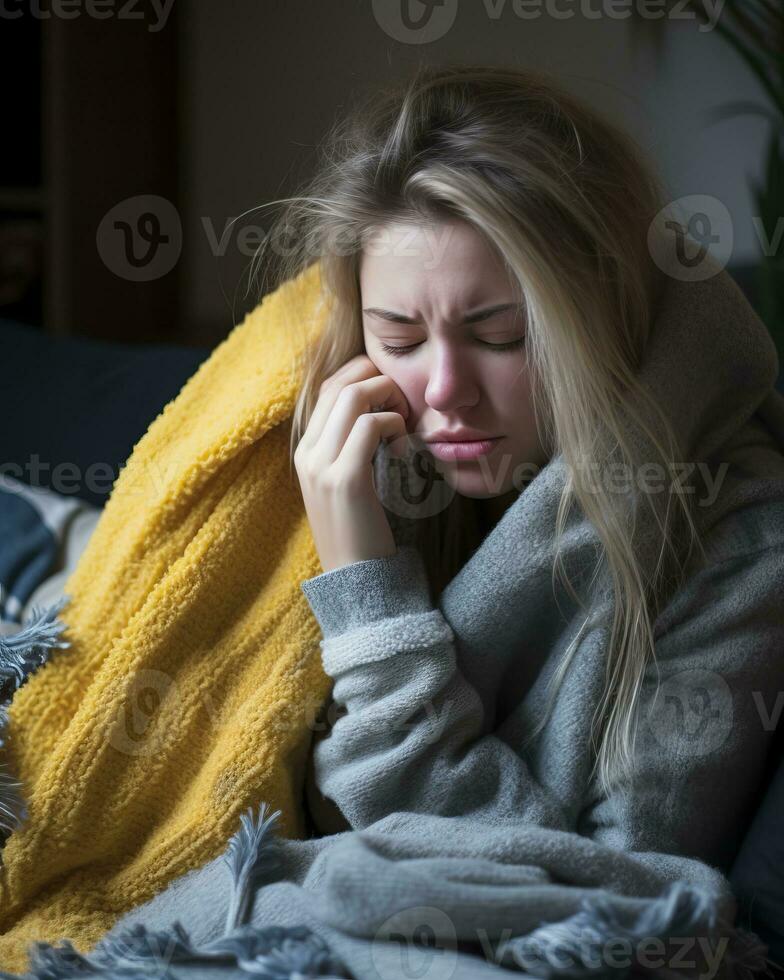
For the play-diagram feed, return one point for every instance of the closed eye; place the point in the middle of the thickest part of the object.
(402, 351)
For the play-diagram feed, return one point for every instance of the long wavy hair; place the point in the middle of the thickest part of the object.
(567, 200)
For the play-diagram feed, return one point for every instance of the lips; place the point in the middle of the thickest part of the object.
(469, 449)
(461, 435)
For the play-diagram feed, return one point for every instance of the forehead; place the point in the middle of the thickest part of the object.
(430, 260)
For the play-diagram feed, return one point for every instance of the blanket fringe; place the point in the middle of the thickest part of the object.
(22, 653)
(252, 854)
(268, 953)
(554, 950)
(272, 953)
(568, 949)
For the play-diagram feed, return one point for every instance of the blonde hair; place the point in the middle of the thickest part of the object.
(567, 200)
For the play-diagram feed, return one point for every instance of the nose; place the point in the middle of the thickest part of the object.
(451, 383)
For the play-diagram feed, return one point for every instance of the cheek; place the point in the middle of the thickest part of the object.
(519, 382)
(407, 380)
(516, 405)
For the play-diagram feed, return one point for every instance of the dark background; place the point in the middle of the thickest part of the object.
(210, 110)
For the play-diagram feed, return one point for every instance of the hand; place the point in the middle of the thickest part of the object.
(334, 463)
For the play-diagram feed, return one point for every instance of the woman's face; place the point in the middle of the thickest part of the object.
(442, 291)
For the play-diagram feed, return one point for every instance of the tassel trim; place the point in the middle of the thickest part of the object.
(270, 953)
(572, 948)
(566, 949)
(21, 654)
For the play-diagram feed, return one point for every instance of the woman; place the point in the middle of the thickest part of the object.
(500, 616)
(487, 243)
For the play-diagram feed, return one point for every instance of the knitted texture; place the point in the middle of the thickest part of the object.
(184, 695)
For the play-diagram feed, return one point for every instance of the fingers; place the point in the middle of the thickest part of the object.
(362, 442)
(354, 370)
(354, 389)
(352, 402)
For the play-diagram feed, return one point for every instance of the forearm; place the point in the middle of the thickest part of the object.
(412, 737)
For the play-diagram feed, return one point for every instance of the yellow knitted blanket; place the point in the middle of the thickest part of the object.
(194, 670)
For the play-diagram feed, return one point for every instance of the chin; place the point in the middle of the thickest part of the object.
(475, 484)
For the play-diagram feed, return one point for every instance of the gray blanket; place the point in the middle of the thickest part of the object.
(468, 854)
(427, 897)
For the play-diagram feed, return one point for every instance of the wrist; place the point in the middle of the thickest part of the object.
(369, 590)
(351, 557)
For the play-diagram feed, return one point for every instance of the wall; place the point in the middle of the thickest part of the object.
(261, 81)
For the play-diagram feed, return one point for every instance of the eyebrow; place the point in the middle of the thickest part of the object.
(469, 318)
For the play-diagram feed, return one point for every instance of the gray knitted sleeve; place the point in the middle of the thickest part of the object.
(411, 736)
